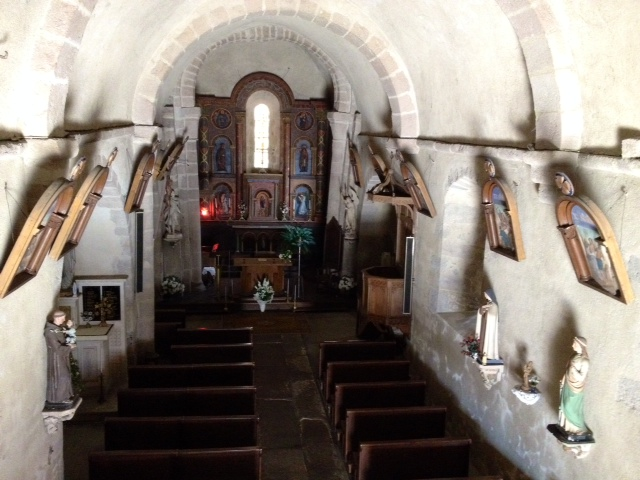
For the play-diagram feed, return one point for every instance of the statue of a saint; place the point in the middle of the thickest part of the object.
(487, 328)
(59, 385)
(571, 417)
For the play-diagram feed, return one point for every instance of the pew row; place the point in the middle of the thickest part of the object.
(214, 336)
(362, 372)
(164, 337)
(383, 424)
(173, 433)
(205, 464)
(177, 402)
(227, 353)
(412, 459)
(375, 395)
(348, 350)
(203, 375)
(171, 315)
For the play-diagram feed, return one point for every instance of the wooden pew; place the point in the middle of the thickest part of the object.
(217, 336)
(168, 433)
(164, 337)
(375, 395)
(411, 459)
(171, 315)
(206, 464)
(344, 351)
(382, 424)
(208, 401)
(203, 375)
(228, 353)
(363, 371)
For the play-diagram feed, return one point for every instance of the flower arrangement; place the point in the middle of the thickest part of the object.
(264, 291)
(286, 255)
(172, 285)
(471, 344)
(346, 283)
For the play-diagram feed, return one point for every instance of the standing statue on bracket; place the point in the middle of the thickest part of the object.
(59, 383)
(171, 213)
(487, 329)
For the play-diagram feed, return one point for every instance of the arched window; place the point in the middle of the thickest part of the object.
(261, 136)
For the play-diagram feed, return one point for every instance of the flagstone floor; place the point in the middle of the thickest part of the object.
(294, 432)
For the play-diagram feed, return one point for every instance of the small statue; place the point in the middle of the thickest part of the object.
(284, 210)
(59, 384)
(243, 210)
(487, 329)
(527, 392)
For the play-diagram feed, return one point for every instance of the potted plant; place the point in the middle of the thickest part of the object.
(263, 294)
(471, 346)
(295, 238)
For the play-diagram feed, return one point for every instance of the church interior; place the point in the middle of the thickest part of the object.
(438, 170)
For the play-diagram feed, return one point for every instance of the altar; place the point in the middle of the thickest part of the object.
(257, 268)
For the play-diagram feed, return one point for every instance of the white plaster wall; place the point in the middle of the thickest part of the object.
(542, 307)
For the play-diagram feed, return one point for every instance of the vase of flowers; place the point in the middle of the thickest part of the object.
(263, 293)
(172, 285)
(286, 255)
(471, 346)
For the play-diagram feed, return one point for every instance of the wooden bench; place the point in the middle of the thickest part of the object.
(217, 336)
(203, 375)
(363, 371)
(208, 401)
(411, 459)
(168, 433)
(219, 464)
(382, 424)
(164, 337)
(375, 395)
(228, 353)
(344, 351)
(171, 315)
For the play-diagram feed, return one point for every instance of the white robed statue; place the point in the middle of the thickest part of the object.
(487, 327)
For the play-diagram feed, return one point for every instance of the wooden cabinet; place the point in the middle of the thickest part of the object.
(382, 298)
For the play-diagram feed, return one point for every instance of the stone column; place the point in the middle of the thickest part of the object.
(286, 154)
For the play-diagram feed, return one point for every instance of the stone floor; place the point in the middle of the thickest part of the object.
(295, 436)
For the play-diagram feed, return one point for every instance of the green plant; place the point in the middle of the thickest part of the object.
(293, 237)
(264, 291)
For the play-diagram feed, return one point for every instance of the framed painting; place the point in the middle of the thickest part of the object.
(356, 166)
(84, 203)
(417, 189)
(501, 216)
(302, 204)
(591, 244)
(221, 118)
(222, 200)
(304, 121)
(263, 205)
(164, 165)
(140, 180)
(303, 157)
(221, 155)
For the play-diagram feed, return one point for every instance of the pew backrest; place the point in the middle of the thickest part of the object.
(375, 395)
(203, 401)
(217, 336)
(411, 459)
(382, 424)
(342, 351)
(203, 353)
(201, 464)
(201, 375)
(172, 315)
(361, 371)
(166, 433)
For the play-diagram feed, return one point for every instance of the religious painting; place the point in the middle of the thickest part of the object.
(303, 157)
(501, 216)
(304, 121)
(591, 244)
(302, 206)
(356, 166)
(221, 158)
(417, 189)
(262, 205)
(222, 200)
(221, 118)
(140, 180)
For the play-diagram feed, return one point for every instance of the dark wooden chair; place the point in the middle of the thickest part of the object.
(206, 464)
(375, 395)
(167, 433)
(216, 336)
(411, 459)
(363, 371)
(227, 353)
(343, 351)
(204, 401)
(202, 375)
(382, 424)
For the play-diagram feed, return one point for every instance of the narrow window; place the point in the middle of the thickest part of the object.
(261, 136)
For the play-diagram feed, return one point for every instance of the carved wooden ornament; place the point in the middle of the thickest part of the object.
(141, 180)
(413, 181)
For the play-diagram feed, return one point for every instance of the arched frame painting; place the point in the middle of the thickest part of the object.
(592, 247)
(503, 221)
(413, 181)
